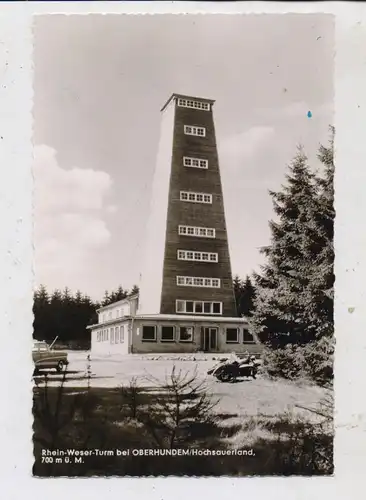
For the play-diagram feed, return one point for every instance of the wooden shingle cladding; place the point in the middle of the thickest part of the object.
(195, 214)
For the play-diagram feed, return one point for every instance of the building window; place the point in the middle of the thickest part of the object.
(247, 336)
(195, 162)
(199, 282)
(149, 333)
(197, 256)
(207, 307)
(180, 306)
(98, 336)
(122, 334)
(216, 307)
(192, 130)
(198, 307)
(232, 335)
(167, 333)
(196, 197)
(112, 335)
(189, 306)
(201, 232)
(116, 335)
(186, 334)
(189, 103)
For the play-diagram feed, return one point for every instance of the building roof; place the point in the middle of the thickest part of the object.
(182, 96)
(187, 317)
(174, 317)
(112, 321)
(119, 302)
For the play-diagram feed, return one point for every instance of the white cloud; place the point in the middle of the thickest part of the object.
(111, 209)
(69, 229)
(240, 148)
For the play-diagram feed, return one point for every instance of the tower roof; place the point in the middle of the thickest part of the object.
(182, 96)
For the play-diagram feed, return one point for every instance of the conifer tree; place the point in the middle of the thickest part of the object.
(41, 302)
(323, 261)
(285, 311)
(244, 292)
(135, 289)
(106, 299)
(246, 306)
(237, 286)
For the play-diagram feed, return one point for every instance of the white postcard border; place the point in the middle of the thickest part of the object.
(16, 263)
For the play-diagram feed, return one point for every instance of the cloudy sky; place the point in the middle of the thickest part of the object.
(99, 84)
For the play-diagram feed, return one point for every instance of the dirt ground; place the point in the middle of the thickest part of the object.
(246, 397)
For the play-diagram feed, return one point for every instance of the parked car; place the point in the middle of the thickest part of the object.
(227, 371)
(46, 357)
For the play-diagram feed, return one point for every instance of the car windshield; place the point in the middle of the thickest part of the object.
(40, 346)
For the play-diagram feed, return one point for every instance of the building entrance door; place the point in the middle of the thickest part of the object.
(209, 339)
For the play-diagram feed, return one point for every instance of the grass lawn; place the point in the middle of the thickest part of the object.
(261, 415)
(246, 397)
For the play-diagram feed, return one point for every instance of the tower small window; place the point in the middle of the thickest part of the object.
(189, 103)
(198, 307)
(189, 161)
(195, 197)
(193, 130)
(197, 256)
(202, 232)
(198, 281)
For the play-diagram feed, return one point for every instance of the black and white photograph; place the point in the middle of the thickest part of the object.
(183, 245)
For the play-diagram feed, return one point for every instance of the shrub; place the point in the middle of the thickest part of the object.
(319, 357)
(313, 361)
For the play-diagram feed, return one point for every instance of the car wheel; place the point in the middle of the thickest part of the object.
(226, 377)
(60, 366)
